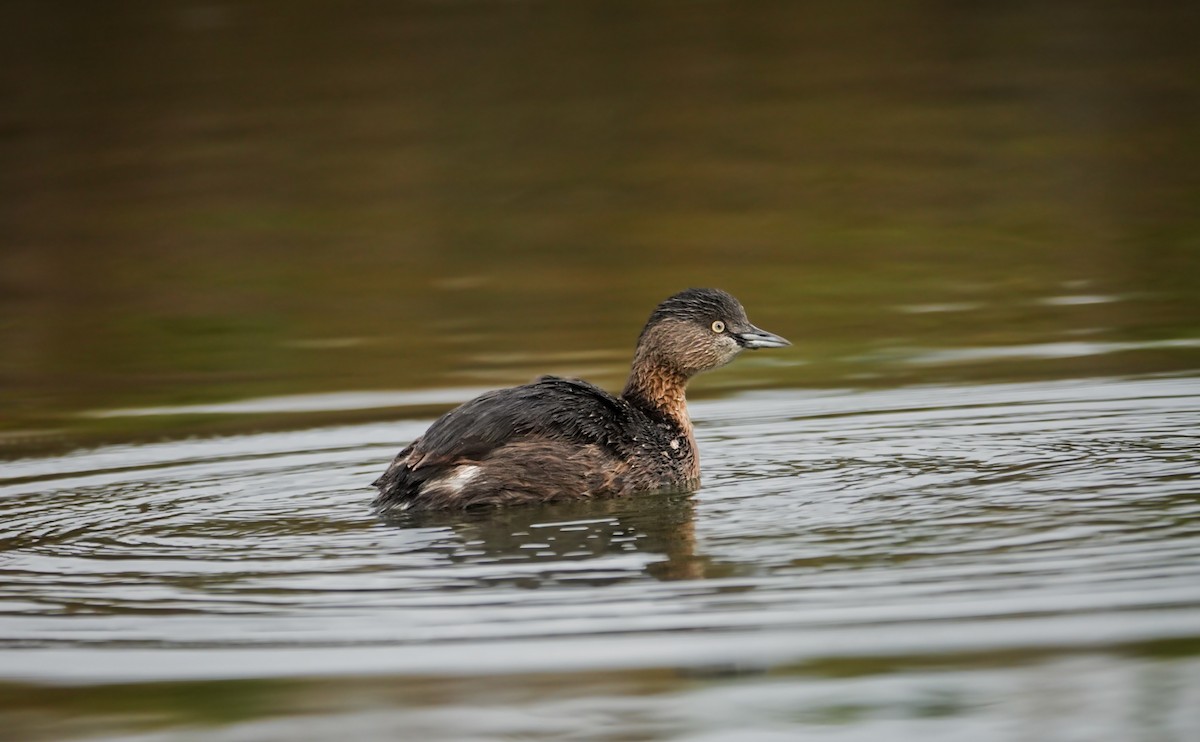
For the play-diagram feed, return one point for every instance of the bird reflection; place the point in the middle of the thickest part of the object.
(661, 525)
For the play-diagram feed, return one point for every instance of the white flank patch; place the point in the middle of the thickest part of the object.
(675, 443)
(459, 478)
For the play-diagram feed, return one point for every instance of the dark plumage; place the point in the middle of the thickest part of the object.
(558, 438)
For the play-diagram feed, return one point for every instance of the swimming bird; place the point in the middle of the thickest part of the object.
(559, 439)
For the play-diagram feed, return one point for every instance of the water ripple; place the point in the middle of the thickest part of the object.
(957, 519)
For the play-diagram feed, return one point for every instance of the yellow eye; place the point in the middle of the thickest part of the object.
(718, 326)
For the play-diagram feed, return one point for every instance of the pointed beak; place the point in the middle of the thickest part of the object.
(755, 338)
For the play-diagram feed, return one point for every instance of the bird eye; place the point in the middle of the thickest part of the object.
(718, 326)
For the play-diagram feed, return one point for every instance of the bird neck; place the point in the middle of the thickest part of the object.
(658, 388)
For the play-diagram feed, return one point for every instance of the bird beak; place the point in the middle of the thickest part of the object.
(755, 338)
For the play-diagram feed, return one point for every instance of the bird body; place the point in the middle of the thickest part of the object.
(558, 438)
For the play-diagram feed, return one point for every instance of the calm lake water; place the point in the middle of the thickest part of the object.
(249, 251)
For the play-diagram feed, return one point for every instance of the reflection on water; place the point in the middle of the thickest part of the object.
(1045, 350)
(559, 543)
(967, 556)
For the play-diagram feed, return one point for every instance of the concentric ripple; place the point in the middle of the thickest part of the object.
(1048, 517)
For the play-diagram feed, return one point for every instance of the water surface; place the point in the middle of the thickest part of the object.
(247, 251)
(202, 203)
(855, 564)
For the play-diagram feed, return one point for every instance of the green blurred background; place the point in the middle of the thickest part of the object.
(206, 201)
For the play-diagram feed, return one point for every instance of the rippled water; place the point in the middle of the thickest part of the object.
(887, 564)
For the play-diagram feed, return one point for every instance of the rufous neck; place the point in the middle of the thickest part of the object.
(659, 388)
